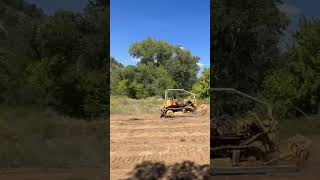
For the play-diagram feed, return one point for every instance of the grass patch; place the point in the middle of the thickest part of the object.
(289, 127)
(203, 101)
(125, 105)
(33, 137)
(151, 105)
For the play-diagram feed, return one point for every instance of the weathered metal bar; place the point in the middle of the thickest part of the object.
(269, 107)
(229, 147)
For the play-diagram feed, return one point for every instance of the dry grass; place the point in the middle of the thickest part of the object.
(310, 125)
(125, 105)
(30, 137)
(151, 105)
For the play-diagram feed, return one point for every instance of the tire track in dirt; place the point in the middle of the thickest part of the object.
(163, 139)
(125, 161)
(136, 148)
(149, 138)
(155, 123)
(164, 130)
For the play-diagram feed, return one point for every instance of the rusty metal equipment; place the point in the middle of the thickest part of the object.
(250, 139)
(180, 100)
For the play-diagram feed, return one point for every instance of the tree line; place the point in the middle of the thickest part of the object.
(60, 61)
(248, 56)
(57, 61)
(160, 66)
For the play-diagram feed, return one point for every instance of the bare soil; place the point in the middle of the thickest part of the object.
(139, 138)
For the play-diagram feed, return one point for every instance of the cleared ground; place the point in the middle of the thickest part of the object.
(139, 138)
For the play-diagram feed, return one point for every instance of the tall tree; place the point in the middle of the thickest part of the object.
(15, 48)
(180, 63)
(245, 36)
(296, 85)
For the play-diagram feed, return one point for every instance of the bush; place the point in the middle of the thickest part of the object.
(296, 85)
(143, 81)
(202, 87)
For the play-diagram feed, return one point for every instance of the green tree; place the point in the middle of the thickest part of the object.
(202, 86)
(57, 61)
(58, 35)
(281, 89)
(245, 42)
(15, 50)
(94, 86)
(296, 86)
(152, 80)
(141, 81)
(150, 50)
(41, 79)
(180, 64)
(121, 80)
(183, 68)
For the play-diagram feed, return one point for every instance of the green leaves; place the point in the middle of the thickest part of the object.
(94, 87)
(202, 86)
(57, 35)
(56, 61)
(41, 76)
(150, 50)
(297, 84)
(281, 88)
(183, 71)
(142, 81)
(161, 66)
(245, 42)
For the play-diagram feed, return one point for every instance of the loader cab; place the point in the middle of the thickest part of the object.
(177, 100)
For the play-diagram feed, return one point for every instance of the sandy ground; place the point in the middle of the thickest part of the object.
(139, 138)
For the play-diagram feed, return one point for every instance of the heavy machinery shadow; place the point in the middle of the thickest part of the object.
(185, 170)
(182, 116)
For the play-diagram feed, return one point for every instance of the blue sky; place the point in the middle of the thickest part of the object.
(309, 8)
(178, 22)
(295, 8)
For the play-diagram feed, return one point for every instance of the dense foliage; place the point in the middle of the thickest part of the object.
(57, 61)
(160, 66)
(248, 56)
(245, 36)
(202, 86)
(294, 88)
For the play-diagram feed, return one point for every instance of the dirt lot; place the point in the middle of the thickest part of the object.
(139, 138)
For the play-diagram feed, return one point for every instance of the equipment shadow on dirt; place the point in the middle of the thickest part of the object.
(185, 116)
(186, 170)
